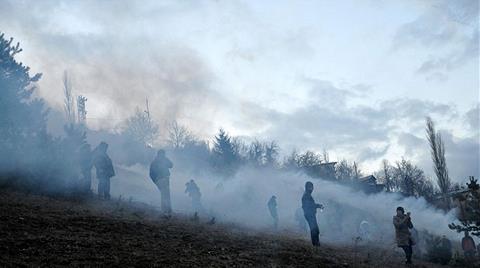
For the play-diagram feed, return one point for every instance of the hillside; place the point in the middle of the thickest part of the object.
(45, 231)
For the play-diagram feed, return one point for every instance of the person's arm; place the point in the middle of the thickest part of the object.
(170, 164)
(153, 173)
(399, 222)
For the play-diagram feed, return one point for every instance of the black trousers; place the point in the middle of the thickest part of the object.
(314, 232)
(408, 251)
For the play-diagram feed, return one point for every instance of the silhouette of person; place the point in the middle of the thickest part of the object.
(272, 207)
(160, 175)
(192, 189)
(104, 168)
(310, 212)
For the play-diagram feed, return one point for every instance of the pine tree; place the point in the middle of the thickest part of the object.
(224, 156)
(23, 119)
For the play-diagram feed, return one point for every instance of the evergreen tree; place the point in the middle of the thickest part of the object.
(23, 119)
(224, 156)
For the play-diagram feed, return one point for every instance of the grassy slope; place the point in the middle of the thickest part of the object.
(42, 231)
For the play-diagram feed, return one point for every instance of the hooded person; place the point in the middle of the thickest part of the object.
(192, 189)
(160, 175)
(272, 207)
(310, 212)
(403, 223)
(104, 169)
(468, 246)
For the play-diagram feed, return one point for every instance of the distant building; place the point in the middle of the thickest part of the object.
(369, 185)
(326, 171)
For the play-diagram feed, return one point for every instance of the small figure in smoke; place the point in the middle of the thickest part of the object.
(403, 224)
(86, 164)
(160, 175)
(468, 246)
(192, 189)
(364, 231)
(310, 212)
(104, 167)
(272, 207)
(445, 248)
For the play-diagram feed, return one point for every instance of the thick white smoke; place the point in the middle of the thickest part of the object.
(243, 200)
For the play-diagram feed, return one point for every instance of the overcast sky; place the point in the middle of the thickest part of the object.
(356, 78)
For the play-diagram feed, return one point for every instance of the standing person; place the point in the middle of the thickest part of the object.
(468, 246)
(104, 167)
(160, 175)
(310, 212)
(403, 224)
(272, 207)
(192, 189)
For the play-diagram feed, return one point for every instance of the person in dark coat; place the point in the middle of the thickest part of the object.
(104, 167)
(160, 175)
(272, 207)
(310, 212)
(468, 246)
(192, 189)
(403, 224)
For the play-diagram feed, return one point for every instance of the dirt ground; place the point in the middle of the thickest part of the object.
(44, 231)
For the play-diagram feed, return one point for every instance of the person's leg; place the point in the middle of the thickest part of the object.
(165, 191)
(101, 186)
(408, 253)
(88, 180)
(107, 188)
(314, 232)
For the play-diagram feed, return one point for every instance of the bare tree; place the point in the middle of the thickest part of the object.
(437, 149)
(68, 101)
(387, 176)
(178, 135)
(411, 180)
(326, 157)
(255, 153)
(141, 128)
(271, 153)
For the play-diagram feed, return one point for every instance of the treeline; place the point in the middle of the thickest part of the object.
(226, 154)
(30, 158)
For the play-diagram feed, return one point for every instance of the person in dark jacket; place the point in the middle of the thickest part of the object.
(310, 212)
(104, 167)
(160, 175)
(403, 224)
(192, 189)
(468, 246)
(272, 207)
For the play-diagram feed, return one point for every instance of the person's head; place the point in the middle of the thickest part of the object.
(466, 233)
(161, 153)
(309, 187)
(103, 146)
(400, 211)
(274, 197)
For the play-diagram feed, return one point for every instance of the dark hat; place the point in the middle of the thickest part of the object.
(401, 209)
